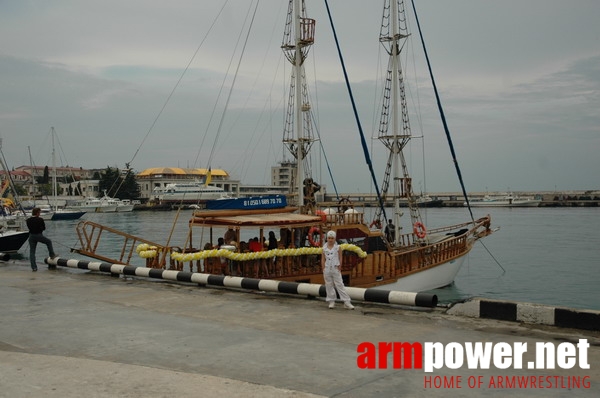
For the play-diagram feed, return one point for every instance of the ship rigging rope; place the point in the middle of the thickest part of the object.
(212, 151)
(441, 110)
(325, 157)
(222, 115)
(449, 138)
(241, 162)
(164, 106)
(179, 80)
(362, 136)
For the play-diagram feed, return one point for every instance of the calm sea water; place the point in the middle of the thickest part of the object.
(549, 255)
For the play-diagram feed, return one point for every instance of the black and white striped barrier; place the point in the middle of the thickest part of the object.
(267, 285)
(528, 313)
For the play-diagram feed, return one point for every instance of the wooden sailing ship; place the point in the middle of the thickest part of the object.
(417, 260)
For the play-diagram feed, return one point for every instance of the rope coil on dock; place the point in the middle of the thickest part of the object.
(268, 285)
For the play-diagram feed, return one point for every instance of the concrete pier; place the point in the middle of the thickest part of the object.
(72, 333)
(455, 199)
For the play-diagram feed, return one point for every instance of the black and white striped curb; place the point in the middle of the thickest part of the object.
(267, 285)
(528, 313)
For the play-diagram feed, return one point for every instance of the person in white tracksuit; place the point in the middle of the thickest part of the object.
(331, 261)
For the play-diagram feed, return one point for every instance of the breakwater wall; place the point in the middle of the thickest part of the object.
(455, 199)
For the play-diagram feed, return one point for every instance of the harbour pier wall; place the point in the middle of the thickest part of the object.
(580, 198)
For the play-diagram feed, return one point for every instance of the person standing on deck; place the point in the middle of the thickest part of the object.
(390, 231)
(272, 241)
(36, 226)
(230, 236)
(331, 261)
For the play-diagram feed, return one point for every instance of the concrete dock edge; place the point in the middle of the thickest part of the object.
(540, 314)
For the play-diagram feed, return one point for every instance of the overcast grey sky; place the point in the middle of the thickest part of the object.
(519, 79)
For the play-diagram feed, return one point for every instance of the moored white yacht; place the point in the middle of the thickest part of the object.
(124, 205)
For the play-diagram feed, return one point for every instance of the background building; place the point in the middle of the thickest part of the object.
(159, 177)
(284, 174)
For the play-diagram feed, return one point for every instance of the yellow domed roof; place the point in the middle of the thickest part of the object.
(163, 170)
(181, 171)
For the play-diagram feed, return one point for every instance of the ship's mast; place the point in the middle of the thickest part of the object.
(298, 128)
(54, 189)
(393, 36)
(298, 122)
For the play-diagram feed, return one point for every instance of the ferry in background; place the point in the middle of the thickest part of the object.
(508, 200)
(188, 192)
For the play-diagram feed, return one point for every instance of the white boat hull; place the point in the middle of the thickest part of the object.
(106, 209)
(197, 197)
(436, 277)
(505, 203)
(86, 208)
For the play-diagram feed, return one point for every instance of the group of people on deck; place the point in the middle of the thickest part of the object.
(331, 259)
(298, 237)
(253, 245)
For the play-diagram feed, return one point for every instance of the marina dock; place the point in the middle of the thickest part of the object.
(443, 199)
(70, 332)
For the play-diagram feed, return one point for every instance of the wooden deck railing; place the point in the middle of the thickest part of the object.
(90, 233)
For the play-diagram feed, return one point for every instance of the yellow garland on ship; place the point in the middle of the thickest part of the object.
(147, 251)
(144, 250)
(354, 249)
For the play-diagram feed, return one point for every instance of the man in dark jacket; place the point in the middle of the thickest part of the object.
(36, 226)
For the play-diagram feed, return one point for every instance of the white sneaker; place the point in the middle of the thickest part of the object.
(348, 305)
(331, 304)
